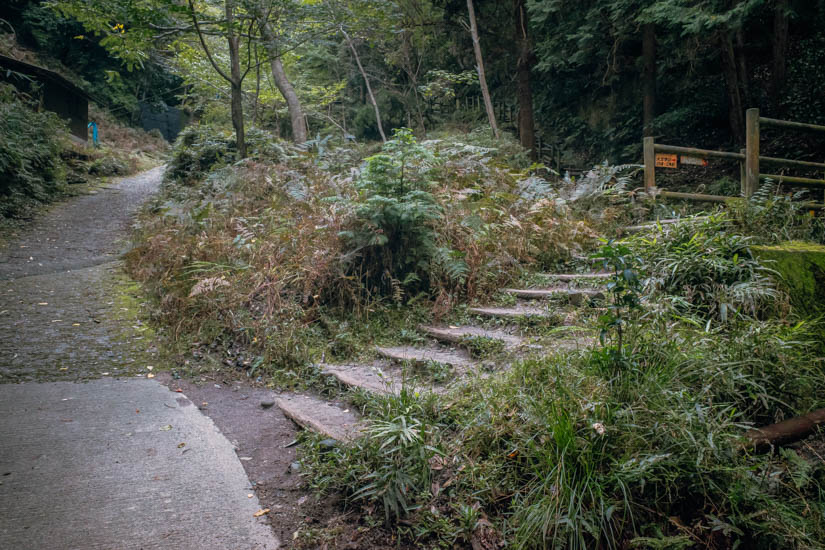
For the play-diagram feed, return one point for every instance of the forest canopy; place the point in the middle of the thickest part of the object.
(579, 82)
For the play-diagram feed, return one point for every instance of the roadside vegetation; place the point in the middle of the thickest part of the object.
(279, 252)
(39, 162)
(303, 254)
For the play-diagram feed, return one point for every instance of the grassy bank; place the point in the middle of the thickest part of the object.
(294, 256)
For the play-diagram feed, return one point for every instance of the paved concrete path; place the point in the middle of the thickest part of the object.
(119, 464)
(101, 463)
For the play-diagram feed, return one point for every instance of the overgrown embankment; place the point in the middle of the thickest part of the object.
(636, 441)
(280, 253)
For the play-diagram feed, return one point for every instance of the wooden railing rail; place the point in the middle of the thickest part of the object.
(749, 159)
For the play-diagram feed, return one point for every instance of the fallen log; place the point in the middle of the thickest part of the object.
(787, 431)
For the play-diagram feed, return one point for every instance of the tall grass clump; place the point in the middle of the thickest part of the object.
(566, 451)
(704, 267)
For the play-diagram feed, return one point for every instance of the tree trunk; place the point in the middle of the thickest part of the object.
(780, 49)
(742, 67)
(526, 129)
(482, 80)
(736, 116)
(649, 77)
(293, 104)
(367, 82)
(235, 79)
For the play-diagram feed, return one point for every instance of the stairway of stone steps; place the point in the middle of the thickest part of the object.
(450, 347)
(448, 352)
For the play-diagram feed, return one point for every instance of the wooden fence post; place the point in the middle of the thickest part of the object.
(650, 165)
(751, 152)
(742, 180)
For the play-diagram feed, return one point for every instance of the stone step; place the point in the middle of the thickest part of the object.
(455, 358)
(458, 335)
(574, 295)
(330, 419)
(374, 379)
(368, 377)
(576, 276)
(514, 312)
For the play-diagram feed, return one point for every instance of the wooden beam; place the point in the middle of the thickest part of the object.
(694, 196)
(792, 180)
(790, 162)
(650, 164)
(751, 152)
(791, 125)
(701, 153)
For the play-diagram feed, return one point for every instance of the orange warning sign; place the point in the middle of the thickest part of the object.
(666, 161)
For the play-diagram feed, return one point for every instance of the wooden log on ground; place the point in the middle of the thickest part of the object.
(788, 431)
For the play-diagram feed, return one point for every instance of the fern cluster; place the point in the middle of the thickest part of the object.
(395, 242)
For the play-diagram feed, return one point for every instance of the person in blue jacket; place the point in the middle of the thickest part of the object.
(93, 126)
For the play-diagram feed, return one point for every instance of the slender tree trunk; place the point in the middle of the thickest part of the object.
(780, 49)
(234, 77)
(235, 81)
(293, 104)
(736, 113)
(742, 68)
(482, 80)
(526, 128)
(255, 119)
(367, 82)
(649, 77)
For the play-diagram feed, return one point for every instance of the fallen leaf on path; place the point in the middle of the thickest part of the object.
(166, 428)
(178, 390)
(181, 445)
(150, 375)
(260, 513)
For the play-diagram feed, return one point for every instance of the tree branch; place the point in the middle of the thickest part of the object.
(203, 44)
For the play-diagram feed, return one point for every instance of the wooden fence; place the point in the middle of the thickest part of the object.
(750, 161)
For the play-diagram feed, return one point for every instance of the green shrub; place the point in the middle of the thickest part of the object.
(201, 148)
(30, 146)
(395, 239)
(770, 217)
(706, 268)
(109, 165)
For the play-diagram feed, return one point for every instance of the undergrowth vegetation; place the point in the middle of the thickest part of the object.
(30, 164)
(271, 251)
(637, 443)
(304, 254)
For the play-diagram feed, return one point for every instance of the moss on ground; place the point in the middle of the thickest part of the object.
(801, 269)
